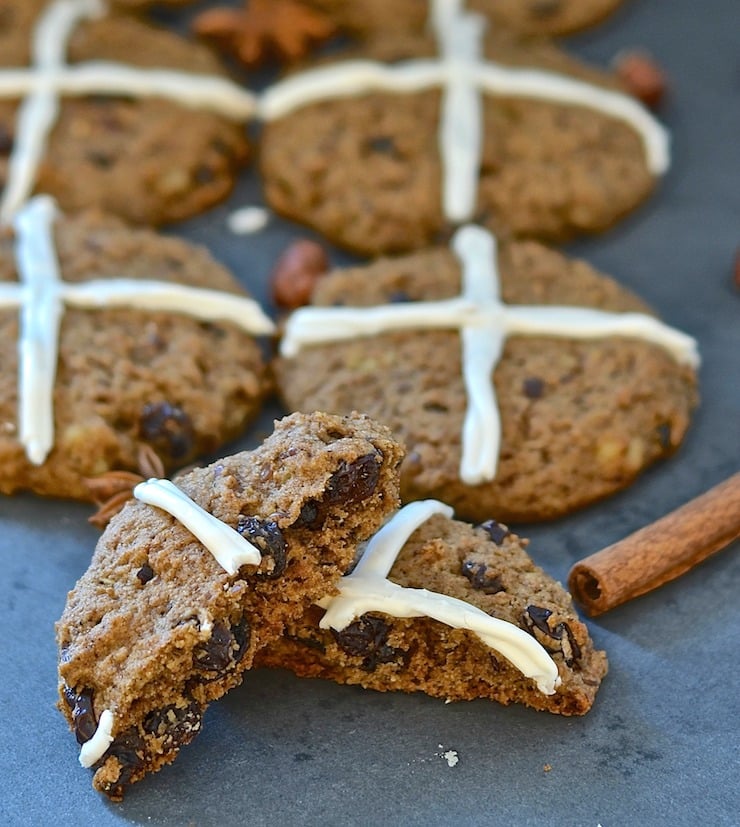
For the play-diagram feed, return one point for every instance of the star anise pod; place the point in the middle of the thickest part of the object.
(282, 29)
(112, 490)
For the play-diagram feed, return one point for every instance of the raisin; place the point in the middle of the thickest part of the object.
(128, 749)
(6, 141)
(175, 725)
(544, 8)
(102, 160)
(664, 435)
(145, 574)
(533, 387)
(480, 578)
(167, 428)
(383, 144)
(266, 535)
(349, 485)
(497, 532)
(83, 714)
(367, 638)
(224, 649)
(538, 618)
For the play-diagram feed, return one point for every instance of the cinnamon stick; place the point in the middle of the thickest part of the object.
(660, 552)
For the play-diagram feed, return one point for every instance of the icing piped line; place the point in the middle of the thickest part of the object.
(41, 296)
(463, 75)
(228, 547)
(40, 322)
(484, 323)
(49, 77)
(94, 749)
(367, 589)
(213, 94)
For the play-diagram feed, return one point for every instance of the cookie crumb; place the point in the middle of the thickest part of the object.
(248, 220)
(547, 767)
(451, 757)
(736, 272)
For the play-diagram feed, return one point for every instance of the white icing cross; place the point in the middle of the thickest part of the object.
(49, 77)
(41, 296)
(463, 75)
(229, 548)
(367, 589)
(484, 322)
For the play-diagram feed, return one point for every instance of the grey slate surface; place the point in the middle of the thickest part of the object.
(661, 745)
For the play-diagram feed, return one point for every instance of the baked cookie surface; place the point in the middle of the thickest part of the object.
(553, 17)
(125, 375)
(149, 159)
(157, 628)
(386, 157)
(481, 573)
(544, 421)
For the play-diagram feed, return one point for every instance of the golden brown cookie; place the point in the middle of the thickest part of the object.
(156, 345)
(387, 155)
(475, 636)
(523, 408)
(163, 623)
(139, 151)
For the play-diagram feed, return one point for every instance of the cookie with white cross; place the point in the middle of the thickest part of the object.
(460, 612)
(551, 17)
(202, 574)
(524, 384)
(100, 109)
(112, 338)
(464, 125)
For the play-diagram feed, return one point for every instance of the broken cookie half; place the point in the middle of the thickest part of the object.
(459, 612)
(188, 582)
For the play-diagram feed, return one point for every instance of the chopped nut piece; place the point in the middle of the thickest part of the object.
(642, 76)
(296, 272)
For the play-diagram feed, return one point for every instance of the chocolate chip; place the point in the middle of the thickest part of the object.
(6, 141)
(266, 535)
(145, 574)
(175, 725)
(367, 638)
(167, 428)
(224, 649)
(533, 387)
(349, 485)
(83, 713)
(497, 532)
(481, 578)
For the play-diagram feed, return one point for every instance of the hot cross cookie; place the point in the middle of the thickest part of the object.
(200, 575)
(100, 109)
(436, 605)
(522, 383)
(384, 157)
(553, 17)
(110, 338)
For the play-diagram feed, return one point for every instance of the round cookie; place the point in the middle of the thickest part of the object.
(147, 159)
(578, 418)
(461, 642)
(125, 375)
(551, 17)
(385, 158)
